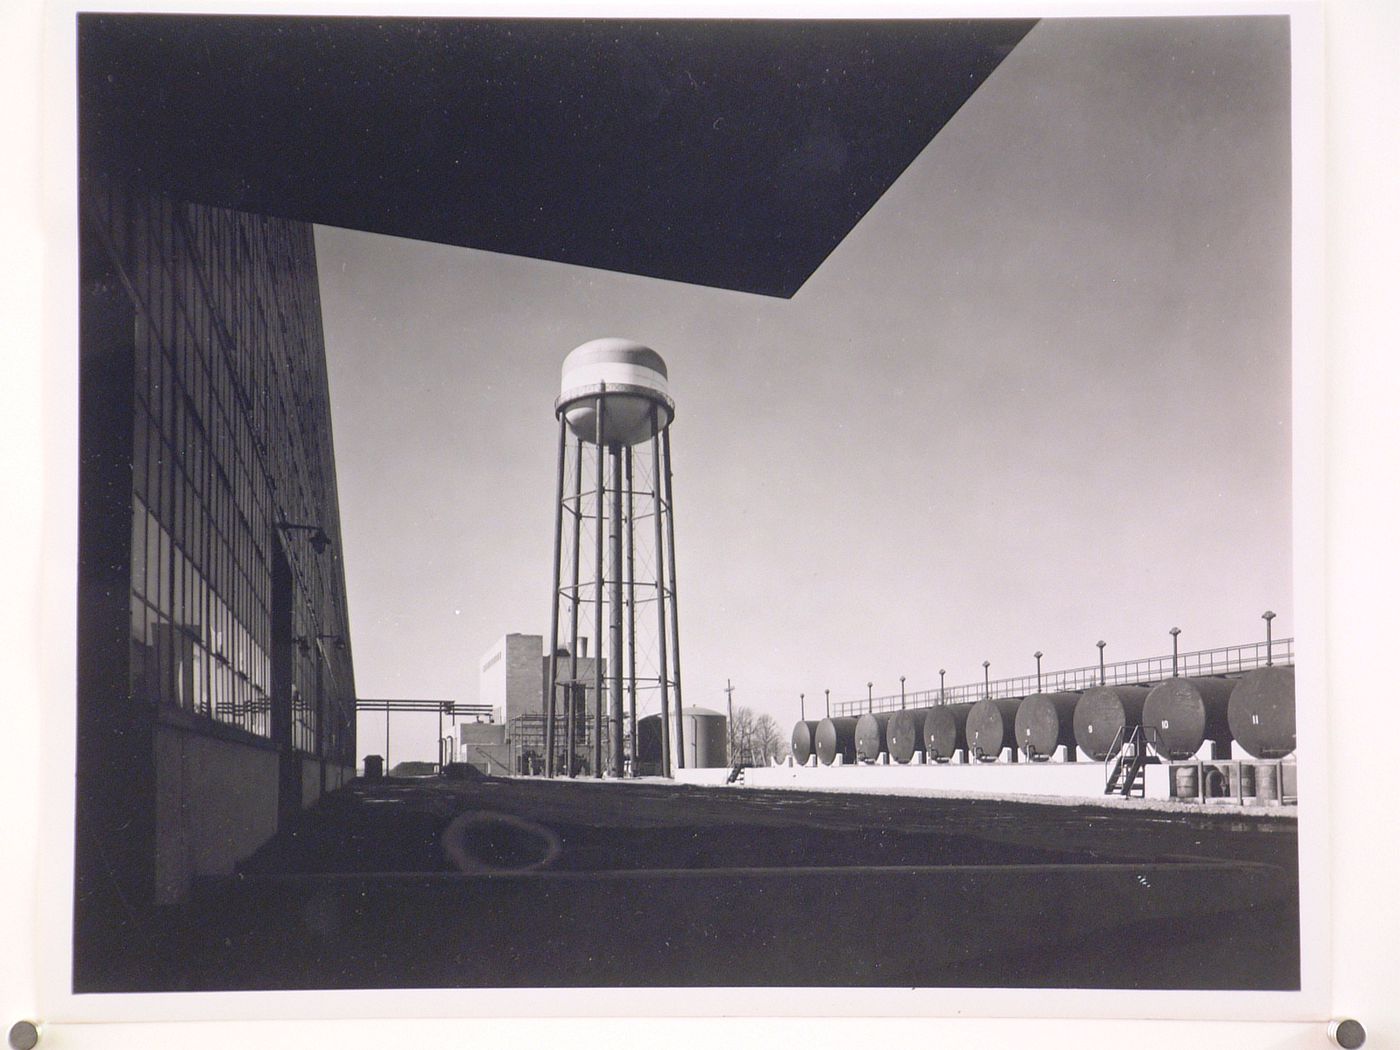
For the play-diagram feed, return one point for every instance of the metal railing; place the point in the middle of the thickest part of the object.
(1230, 659)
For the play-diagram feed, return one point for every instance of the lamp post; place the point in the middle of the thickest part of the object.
(987, 678)
(828, 703)
(1102, 679)
(870, 696)
(802, 702)
(1175, 632)
(1269, 639)
(1038, 655)
(901, 692)
(942, 693)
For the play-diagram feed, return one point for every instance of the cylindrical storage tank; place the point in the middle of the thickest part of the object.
(1045, 721)
(945, 731)
(991, 726)
(870, 736)
(1262, 713)
(836, 736)
(804, 741)
(706, 738)
(1104, 710)
(631, 379)
(1186, 782)
(904, 735)
(1183, 713)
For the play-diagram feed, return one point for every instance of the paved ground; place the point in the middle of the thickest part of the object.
(440, 883)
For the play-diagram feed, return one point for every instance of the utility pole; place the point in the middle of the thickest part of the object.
(729, 699)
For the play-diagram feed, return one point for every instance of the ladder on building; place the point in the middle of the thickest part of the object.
(1130, 757)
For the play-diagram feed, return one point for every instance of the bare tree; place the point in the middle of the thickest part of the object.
(755, 738)
(768, 740)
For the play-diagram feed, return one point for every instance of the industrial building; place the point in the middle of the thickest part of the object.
(216, 691)
(513, 673)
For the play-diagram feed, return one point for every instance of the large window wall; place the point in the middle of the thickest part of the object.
(230, 445)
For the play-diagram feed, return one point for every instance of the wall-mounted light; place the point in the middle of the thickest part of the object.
(320, 542)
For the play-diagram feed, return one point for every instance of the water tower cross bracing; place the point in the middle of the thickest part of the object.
(614, 401)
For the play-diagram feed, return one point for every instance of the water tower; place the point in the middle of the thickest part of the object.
(615, 403)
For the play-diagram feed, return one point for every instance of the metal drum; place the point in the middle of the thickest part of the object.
(1045, 721)
(870, 736)
(991, 726)
(804, 741)
(836, 736)
(904, 736)
(1266, 782)
(1262, 713)
(1102, 712)
(945, 731)
(1186, 782)
(1183, 713)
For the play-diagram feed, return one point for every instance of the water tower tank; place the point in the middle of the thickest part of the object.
(631, 380)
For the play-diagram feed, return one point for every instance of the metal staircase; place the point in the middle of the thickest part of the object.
(1129, 756)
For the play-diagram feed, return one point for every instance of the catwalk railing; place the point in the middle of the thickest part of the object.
(1232, 659)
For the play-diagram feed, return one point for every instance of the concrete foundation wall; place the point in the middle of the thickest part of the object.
(492, 759)
(1062, 779)
(216, 802)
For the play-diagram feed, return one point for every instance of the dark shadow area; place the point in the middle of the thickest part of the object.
(655, 885)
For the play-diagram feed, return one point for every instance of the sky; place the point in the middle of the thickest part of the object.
(1039, 396)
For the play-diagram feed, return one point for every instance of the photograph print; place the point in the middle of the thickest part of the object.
(628, 503)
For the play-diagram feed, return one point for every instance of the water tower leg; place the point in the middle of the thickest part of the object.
(571, 716)
(615, 613)
(551, 686)
(598, 498)
(675, 622)
(660, 599)
(631, 610)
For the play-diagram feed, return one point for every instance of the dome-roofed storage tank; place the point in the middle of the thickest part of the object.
(1181, 714)
(804, 741)
(633, 379)
(1102, 712)
(870, 736)
(1263, 712)
(836, 736)
(1044, 722)
(706, 740)
(991, 726)
(904, 735)
(945, 731)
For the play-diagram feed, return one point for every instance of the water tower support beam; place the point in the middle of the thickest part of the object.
(660, 598)
(615, 612)
(551, 687)
(675, 623)
(571, 714)
(598, 500)
(631, 609)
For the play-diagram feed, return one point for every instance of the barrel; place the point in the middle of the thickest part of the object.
(1045, 721)
(1186, 782)
(1183, 713)
(945, 731)
(1102, 711)
(1262, 714)
(804, 743)
(836, 736)
(991, 726)
(1266, 782)
(870, 736)
(904, 736)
